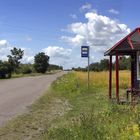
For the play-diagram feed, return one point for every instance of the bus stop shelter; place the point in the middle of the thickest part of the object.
(129, 45)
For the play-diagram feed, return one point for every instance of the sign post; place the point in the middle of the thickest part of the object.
(85, 53)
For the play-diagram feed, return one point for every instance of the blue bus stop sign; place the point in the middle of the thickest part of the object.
(84, 51)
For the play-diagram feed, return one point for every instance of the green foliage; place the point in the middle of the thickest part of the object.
(54, 67)
(26, 68)
(15, 57)
(70, 84)
(103, 65)
(79, 69)
(125, 63)
(95, 66)
(5, 69)
(41, 62)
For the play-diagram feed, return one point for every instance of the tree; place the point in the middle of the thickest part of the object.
(41, 62)
(104, 65)
(5, 69)
(54, 67)
(125, 63)
(26, 68)
(15, 57)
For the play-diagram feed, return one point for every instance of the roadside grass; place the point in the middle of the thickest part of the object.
(20, 75)
(32, 74)
(92, 115)
(25, 75)
(68, 111)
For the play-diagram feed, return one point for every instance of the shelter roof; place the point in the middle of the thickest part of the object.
(127, 45)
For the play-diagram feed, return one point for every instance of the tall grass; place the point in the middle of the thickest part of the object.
(100, 79)
(92, 116)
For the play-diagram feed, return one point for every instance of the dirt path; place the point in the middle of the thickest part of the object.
(56, 109)
(17, 94)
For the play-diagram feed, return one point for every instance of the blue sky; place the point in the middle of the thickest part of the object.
(60, 27)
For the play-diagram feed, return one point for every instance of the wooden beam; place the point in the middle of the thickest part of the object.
(130, 43)
(110, 77)
(132, 71)
(117, 78)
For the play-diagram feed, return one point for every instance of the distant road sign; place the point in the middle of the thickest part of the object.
(84, 51)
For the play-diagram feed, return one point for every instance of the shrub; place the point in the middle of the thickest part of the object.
(5, 70)
(26, 69)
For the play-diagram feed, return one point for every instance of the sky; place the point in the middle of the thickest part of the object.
(60, 27)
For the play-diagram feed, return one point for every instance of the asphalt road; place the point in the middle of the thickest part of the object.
(17, 94)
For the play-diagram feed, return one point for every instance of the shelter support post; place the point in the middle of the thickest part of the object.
(132, 71)
(110, 77)
(117, 78)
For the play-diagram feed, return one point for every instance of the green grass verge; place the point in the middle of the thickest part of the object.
(68, 111)
(32, 74)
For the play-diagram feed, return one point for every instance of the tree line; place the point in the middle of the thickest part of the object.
(13, 64)
(103, 65)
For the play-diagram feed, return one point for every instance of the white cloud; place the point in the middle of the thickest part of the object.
(99, 32)
(4, 52)
(58, 55)
(86, 6)
(28, 59)
(3, 42)
(56, 51)
(78, 40)
(4, 49)
(28, 56)
(113, 11)
(73, 16)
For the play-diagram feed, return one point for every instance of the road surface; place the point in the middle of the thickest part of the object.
(17, 94)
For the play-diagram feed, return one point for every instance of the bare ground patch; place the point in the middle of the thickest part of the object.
(32, 125)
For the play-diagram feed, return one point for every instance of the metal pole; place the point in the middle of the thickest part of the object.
(88, 72)
(88, 67)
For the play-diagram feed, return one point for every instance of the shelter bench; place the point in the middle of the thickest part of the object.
(133, 93)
